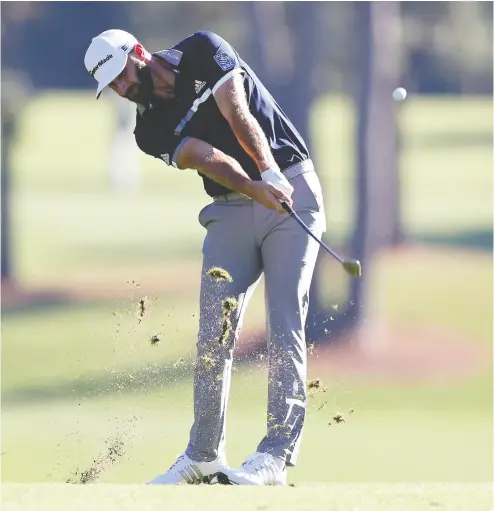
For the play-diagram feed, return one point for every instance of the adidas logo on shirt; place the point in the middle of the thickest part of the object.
(199, 86)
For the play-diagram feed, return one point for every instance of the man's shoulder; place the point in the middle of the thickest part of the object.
(202, 39)
(193, 47)
(200, 36)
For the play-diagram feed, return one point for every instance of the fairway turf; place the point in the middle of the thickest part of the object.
(372, 445)
(67, 370)
(74, 373)
(330, 497)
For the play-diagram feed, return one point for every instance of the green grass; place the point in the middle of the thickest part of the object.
(331, 497)
(452, 289)
(76, 232)
(445, 164)
(48, 347)
(68, 371)
(46, 442)
(73, 375)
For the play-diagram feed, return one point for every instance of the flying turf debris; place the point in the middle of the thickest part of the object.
(228, 305)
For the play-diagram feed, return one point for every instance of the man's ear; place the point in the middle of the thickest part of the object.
(141, 53)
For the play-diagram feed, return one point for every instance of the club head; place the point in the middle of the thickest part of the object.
(353, 268)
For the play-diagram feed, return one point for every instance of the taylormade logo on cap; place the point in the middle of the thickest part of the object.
(106, 56)
(99, 64)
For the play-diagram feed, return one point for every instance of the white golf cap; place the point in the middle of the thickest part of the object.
(106, 56)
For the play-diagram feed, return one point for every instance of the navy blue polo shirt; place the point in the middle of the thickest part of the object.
(202, 63)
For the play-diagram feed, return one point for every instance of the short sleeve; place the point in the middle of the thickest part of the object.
(166, 149)
(219, 61)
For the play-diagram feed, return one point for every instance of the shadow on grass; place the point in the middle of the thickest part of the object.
(475, 239)
(131, 381)
(147, 379)
(16, 300)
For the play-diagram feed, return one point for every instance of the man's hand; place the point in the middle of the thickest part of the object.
(267, 195)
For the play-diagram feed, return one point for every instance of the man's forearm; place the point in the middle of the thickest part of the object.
(226, 171)
(232, 102)
(253, 140)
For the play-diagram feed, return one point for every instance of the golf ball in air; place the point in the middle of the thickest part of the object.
(399, 94)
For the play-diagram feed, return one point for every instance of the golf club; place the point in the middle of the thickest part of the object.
(351, 266)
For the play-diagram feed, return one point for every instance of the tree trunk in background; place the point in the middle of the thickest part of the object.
(5, 208)
(286, 44)
(377, 193)
(16, 89)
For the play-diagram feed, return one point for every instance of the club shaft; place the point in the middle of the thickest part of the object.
(294, 215)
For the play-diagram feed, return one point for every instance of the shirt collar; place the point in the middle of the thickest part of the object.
(173, 57)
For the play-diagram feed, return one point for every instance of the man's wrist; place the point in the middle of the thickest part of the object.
(272, 174)
(265, 165)
(278, 180)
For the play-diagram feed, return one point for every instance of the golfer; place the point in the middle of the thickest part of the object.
(200, 106)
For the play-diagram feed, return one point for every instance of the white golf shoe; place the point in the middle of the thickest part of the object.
(185, 470)
(259, 469)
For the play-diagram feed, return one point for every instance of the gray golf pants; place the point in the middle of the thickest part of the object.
(248, 240)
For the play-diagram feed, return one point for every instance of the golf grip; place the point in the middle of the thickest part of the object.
(294, 215)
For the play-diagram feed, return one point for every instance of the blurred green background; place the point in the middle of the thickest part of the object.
(87, 244)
